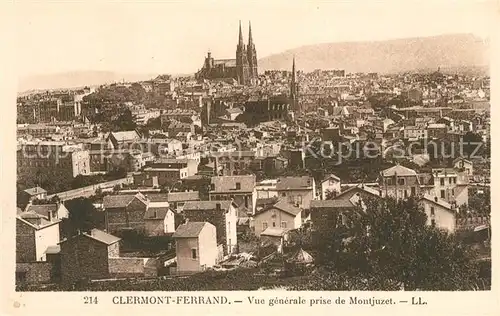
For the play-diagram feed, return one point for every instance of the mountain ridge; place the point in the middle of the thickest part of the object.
(388, 56)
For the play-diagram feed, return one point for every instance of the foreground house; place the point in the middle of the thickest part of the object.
(125, 212)
(35, 233)
(222, 214)
(86, 256)
(439, 213)
(279, 215)
(196, 246)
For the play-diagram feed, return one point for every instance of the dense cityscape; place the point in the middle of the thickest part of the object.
(239, 179)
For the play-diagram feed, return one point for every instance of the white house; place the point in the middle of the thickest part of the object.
(439, 213)
(330, 184)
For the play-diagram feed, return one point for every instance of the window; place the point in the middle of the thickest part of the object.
(283, 224)
(389, 181)
(442, 181)
(433, 223)
(283, 194)
(452, 192)
(450, 180)
(454, 180)
(406, 194)
(432, 210)
(443, 195)
(413, 191)
(264, 225)
(238, 186)
(194, 255)
(401, 181)
(274, 224)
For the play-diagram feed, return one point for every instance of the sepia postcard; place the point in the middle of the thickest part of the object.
(214, 157)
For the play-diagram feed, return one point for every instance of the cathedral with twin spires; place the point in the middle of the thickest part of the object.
(243, 69)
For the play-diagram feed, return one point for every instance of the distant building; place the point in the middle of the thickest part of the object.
(239, 189)
(440, 213)
(243, 69)
(125, 212)
(299, 191)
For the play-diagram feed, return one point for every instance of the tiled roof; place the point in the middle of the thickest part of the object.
(287, 207)
(189, 229)
(315, 204)
(117, 201)
(266, 201)
(183, 196)
(43, 209)
(293, 183)
(399, 171)
(273, 231)
(205, 205)
(103, 237)
(156, 212)
(438, 201)
(228, 183)
(126, 136)
(35, 191)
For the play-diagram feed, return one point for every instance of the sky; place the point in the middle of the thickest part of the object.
(174, 36)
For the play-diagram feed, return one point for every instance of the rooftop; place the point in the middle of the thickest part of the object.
(190, 229)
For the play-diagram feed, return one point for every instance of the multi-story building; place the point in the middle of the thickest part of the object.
(399, 182)
(233, 162)
(42, 157)
(125, 212)
(299, 191)
(222, 214)
(239, 189)
(451, 186)
(34, 234)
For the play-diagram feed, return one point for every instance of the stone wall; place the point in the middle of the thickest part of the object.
(126, 267)
(35, 272)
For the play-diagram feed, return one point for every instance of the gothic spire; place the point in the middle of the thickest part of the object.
(250, 40)
(240, 41)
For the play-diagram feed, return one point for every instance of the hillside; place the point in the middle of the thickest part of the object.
(391, 56)
(77, 79)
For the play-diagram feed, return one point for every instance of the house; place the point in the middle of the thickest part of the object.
(329, 214)
(465, 164)
(399, 182)
(240, 189)
(50, 211)
(279, 215)
(195, 247)
(233, 162)
(451, 185)
(87, 255)
(177, 200)
(274, 236)
(35, 233)
(439, 212)
(222, 214)
(123, 140)
(299, 191)
(331, 183)
(125, 212)
(159, 220)
(35, 193)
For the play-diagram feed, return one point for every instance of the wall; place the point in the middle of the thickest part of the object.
(48, 236)
(331, 185)
(25, 242)
(291, 196)
(268, 218)
(36, 272)
(126, 267)
(83, 257)
(185, 262)
(208, 246)
(443, 217)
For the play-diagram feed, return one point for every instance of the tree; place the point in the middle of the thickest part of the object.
(390, 240)
(83, 216)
